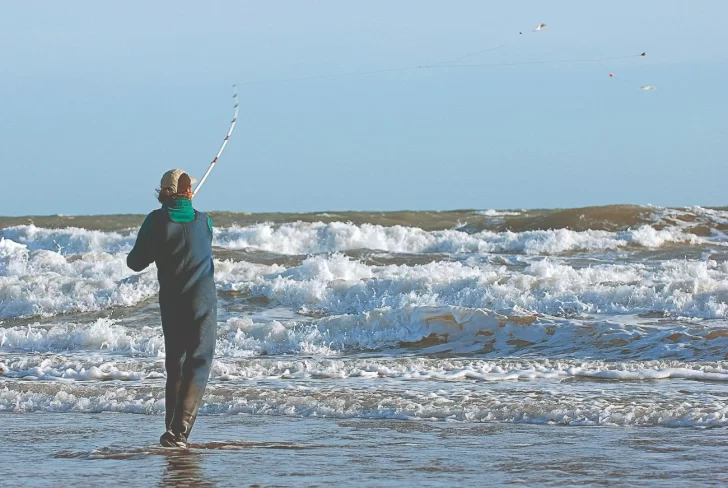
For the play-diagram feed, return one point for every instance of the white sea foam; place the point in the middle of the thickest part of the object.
(112, 400)
(463, 370)
(455, 330)
(86, 366)
(497, 213)
(301, 238)
(687, 214)
(36, 279)
(100, 335)
(371, 398)
(315, 238)
(70, 240)
(461, 330)
(566, 406)
(337, 284)
(42, 282)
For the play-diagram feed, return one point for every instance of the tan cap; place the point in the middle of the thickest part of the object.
(171, 180)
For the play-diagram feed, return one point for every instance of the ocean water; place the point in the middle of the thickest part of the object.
(442, 339)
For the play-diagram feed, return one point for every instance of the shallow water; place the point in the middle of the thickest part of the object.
(242, 450)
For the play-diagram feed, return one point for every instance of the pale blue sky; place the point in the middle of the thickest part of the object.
(98, 100)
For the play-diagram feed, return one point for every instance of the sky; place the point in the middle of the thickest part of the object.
(99, 99)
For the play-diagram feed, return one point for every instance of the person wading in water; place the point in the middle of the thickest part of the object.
(178, 239)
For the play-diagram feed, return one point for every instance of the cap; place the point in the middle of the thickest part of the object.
(176, 180)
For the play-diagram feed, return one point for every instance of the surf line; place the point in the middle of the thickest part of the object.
(455, 63)
(236, 105)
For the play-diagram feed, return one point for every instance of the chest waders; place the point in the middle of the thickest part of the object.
(188, 306)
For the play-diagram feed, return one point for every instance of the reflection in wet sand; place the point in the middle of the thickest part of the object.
(183, 469)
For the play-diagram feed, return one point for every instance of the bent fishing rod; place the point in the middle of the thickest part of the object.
(224, 142)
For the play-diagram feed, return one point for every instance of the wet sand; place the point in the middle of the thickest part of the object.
(73, 449)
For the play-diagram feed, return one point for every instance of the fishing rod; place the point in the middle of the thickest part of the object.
(224, 142)
(438, 64)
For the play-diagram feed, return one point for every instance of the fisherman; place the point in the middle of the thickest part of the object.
(178, 239)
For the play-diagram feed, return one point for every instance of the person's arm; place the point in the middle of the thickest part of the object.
(141, 255)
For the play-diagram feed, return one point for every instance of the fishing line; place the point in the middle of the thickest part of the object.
(390, 70)
(525, 63)
(455, 63)
(333, 75)
(625, 80)
(487, 50)
(539, 27)
(385, 70)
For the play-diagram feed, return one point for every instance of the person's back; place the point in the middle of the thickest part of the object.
(179, 240)
(180, 248)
